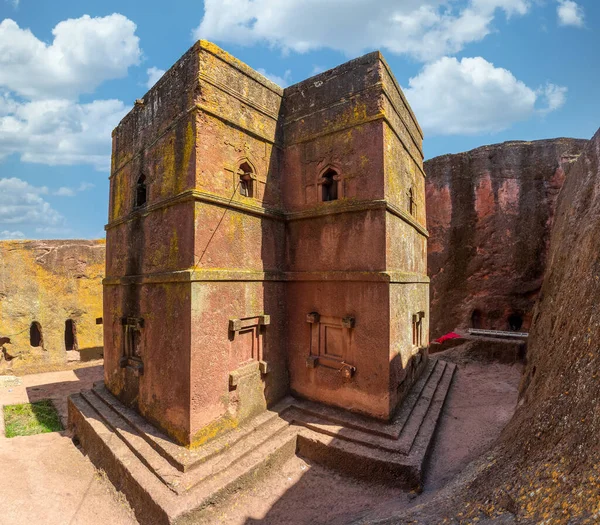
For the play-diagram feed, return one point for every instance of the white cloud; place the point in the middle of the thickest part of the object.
(84, 186)
(41, 119)
(470, 96)
(555, 97)
(6, 234)
(423, 29)
(64, 191)
(85, 52)
(22, 204)
(154, 74)
(59, 131)
(570, 13)
(283, 81)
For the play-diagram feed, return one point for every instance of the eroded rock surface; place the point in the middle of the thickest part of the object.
(550, 455)
(489, 215)
(48, 283)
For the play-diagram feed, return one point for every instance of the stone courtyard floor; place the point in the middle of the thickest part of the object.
(46, 479)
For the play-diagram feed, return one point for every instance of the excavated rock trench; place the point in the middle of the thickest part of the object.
(490, 464)
(489, 215)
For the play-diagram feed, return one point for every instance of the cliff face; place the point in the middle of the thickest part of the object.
(56, 286)
(548, 463)
(489, 215)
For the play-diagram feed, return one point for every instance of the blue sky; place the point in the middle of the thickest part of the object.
(475, 72)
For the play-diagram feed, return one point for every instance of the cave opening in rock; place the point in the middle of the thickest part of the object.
(476, 319)
(35, 334)
(515, 322)
(70, 335)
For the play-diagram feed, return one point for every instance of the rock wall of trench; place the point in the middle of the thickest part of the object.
(48, 283)
(489, 214)
(547, 466)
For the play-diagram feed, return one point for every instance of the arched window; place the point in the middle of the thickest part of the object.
(140, 191)
(35, 335)
(246, 175)
(329, 184)
(70, 335)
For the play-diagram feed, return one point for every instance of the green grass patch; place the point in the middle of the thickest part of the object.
(31, 418)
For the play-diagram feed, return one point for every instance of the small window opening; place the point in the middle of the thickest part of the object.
(417, 328)
(132, 327)
(476, 319)
(98, 320)
(70, 335)
(515, 322)
(141, 191)
(330, 185)
(245, 174)
(35, 334)
(412, 204)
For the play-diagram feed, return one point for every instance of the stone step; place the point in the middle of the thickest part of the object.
(424, 438)
(156, 463)
(151, 499)
(417, 416)
(182, 458)
(262, 459)
(133, 454)
(176, 480)
(424, 395)
(128, 474)
(348, 420)
(236, 454)
(409, 402)
(360, 460)
(341, 432)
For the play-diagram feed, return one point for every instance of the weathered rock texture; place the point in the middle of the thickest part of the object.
(50, 283)
(278, 245)
(548, 463)
(489, 215)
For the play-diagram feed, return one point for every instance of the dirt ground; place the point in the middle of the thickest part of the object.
(481, 401)
(55, 483)
(45, 478)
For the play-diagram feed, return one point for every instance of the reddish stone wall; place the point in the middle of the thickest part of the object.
(211, 284)
(349, 257)
(239, 247)
(546, 465)
(489, 214)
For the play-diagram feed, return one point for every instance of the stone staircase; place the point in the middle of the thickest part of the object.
(367, 448)
(167, 483)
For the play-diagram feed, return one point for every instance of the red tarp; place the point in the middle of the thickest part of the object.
(451, 335)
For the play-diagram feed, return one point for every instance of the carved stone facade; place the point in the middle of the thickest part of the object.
(263, 242)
